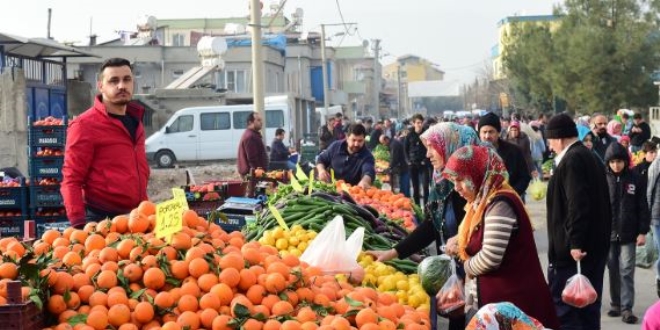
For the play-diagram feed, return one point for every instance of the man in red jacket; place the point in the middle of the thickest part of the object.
(252, 150)
(105, 170)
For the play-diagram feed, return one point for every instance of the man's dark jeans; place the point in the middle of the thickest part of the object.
(419, 175)
(572, 318)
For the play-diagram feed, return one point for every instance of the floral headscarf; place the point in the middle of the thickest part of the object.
(485, 174)
(445, 138)
(504, 315)
(614, 127)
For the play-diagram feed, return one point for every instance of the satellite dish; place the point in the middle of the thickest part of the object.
(365, 43)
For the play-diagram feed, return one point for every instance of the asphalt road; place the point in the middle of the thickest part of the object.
(645, 291)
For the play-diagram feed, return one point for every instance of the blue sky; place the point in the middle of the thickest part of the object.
(455, 34)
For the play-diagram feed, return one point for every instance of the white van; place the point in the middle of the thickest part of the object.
(211, 133)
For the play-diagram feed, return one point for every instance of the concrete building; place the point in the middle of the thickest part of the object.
(504, 28)
(357, 78)
(407, 69)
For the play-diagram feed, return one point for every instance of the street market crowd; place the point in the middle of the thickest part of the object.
(472, 176)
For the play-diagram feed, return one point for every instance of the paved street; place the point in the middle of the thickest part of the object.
(644, 278)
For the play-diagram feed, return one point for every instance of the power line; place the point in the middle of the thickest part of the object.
(341, 15)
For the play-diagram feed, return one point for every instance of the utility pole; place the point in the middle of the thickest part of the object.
(257, 62)
(324, 62)
(324, 70)
(376, 81)
(398, 83)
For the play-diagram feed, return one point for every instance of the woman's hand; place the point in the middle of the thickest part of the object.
(451, 247)
(383, 255)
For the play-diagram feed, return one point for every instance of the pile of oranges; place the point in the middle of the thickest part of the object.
(116, 274)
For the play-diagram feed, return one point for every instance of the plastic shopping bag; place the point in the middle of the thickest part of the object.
(452, 295)
(538, 189)
(578, 291)
(332, 252)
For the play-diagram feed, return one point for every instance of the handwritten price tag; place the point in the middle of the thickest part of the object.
(169, 218)
(180, 195)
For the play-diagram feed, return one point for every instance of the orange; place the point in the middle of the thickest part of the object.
(8, 270)
(133, 273)
(97, 320)
(224, 292)
(144, 312)
(179, 269)
(282, 308)
(138, 223)
(232, 260)
(209, 300)
(252, 324)
(64, 282)
(256, 294)
(207, 281)
(198, 267)
(272, 324)
(207, 316)
(291, 325)
(154, 278)
(230, 276)
(164, 300)
(189, 320)
(56, 304)
(71, 259)
(275, 283)
(118, 315)
(365, 316)
(188, 302)
(240, 300)
(107, 279)
(121, 223)
(221, 323)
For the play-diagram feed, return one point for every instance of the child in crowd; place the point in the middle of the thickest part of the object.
(630, 224)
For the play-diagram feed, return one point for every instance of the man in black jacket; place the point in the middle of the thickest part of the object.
(399, 173)
(639, 133)
(579, 221)
(519, 174)
(416, 153)
(603, 140)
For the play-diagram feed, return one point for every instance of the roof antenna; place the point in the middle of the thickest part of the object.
(50, 14)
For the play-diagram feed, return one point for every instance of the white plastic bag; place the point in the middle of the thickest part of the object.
(332, 252)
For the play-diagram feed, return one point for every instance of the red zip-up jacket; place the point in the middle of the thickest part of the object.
(103, 167)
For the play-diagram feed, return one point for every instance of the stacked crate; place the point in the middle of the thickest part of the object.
(13, 208)
(46, 140)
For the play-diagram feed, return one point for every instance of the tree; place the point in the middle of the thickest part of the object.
(600, 58)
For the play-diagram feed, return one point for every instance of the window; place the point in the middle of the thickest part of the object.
(235, 81)
(178, 39)
(240, 119)
(177, 73)
(182, 124)
(274, 118)
(215, 121)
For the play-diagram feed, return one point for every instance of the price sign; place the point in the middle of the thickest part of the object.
(278, 216)
(311, 182)
(296, 185)
(180, 195)
(169, 218)
(300, 174)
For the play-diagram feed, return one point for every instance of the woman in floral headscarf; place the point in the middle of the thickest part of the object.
(445, 208)
(495, 240)
(502, 316)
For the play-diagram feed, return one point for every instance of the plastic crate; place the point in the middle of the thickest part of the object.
(14, 198)
(47, 223)
(45, 196)
(47, 136)
(18, 315)
(49, 167)
(204, 209)
(12, 226)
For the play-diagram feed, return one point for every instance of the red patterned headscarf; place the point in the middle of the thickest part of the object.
(486, 175)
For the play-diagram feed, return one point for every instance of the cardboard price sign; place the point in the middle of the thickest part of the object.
(169, 218)
(180, 195)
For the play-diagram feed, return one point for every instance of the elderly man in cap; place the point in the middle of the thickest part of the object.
(579, 221)
(514, 159)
